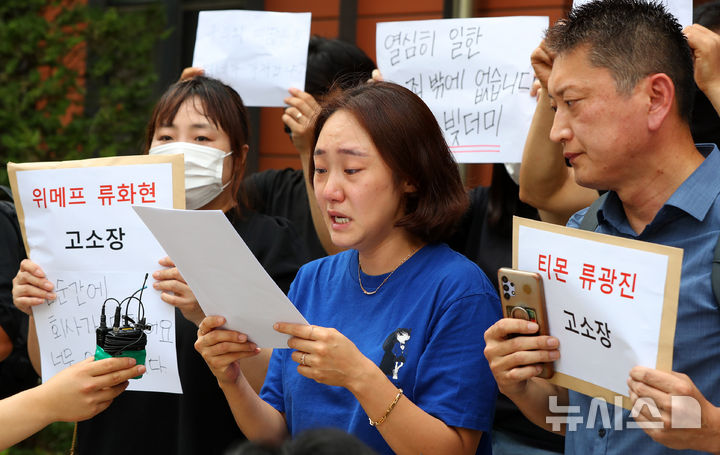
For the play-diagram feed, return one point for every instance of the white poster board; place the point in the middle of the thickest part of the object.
(261, 54)
(681, 9)
(78, 225)
(223, 273)
(612, 302)
(474, 74)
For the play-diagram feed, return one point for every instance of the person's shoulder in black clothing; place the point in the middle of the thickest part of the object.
(271, 191)
(274, 242)
(11, 254)
(283, 193)
(16, 372)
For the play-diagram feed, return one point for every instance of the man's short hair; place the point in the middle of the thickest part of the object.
(633, 39)
(708, 15)
(333, 63)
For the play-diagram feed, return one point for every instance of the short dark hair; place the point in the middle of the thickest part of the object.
(708, 15)
(316, 441)
(327, 441)
(633, 39)
(335, 63)
(222, 106)
(411, 143)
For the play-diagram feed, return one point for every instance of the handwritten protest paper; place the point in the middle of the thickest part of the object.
(78, 225)
(681, 9)
(475, 76)
(223, 273)
(612, 303)
(261, 54)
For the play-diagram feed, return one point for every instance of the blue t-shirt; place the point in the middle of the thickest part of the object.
(424, 329)
(690, 220)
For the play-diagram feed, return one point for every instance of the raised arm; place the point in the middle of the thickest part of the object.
(705, 45)
(546, 182)
(300, 118)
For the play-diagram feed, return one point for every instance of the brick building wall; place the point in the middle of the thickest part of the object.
(276, 150)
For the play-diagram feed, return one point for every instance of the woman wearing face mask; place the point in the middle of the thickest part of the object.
(394, 355)
(207, 122)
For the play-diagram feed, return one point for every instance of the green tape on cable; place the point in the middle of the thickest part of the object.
(139, 356)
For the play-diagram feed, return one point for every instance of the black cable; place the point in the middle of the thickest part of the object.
(125, 337)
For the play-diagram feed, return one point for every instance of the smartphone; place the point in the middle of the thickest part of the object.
(522, 297)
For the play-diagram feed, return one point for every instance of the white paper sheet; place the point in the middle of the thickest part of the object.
(614, 294)
(223, 273)
(475, 76)
(261, 54)
(681, 9)
(82, 231)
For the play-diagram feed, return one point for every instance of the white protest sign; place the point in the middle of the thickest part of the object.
(80, 228)
(611, 302)
(261, 54)
(681, 9)
(475, 76)
(223, 273)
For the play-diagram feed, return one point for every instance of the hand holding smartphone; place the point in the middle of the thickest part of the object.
(522, 297)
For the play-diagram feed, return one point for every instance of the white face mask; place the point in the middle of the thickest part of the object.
(514, 170)
(203, 171)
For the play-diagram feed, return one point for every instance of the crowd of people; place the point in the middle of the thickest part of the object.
(394, 263)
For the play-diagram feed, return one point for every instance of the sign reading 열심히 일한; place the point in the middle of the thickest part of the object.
(474, 74)
(612, 303)
(78, 225)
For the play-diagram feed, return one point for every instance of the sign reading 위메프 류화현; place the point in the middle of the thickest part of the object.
(612, 303)
(79, 226)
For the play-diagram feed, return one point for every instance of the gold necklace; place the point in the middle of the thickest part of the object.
(366, 292)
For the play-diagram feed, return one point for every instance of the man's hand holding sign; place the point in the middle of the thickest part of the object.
(626, 300)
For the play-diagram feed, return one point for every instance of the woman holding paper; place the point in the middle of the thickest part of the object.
(398, 317)
(206, 121)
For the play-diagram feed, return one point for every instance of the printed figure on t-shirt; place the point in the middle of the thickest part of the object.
(394, 347)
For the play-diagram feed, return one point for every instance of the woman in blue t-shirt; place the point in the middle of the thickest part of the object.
(390, 193)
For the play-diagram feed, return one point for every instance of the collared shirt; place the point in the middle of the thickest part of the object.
(690, 220)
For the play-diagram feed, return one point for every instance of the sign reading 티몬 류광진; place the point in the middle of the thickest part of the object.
(612, 303)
